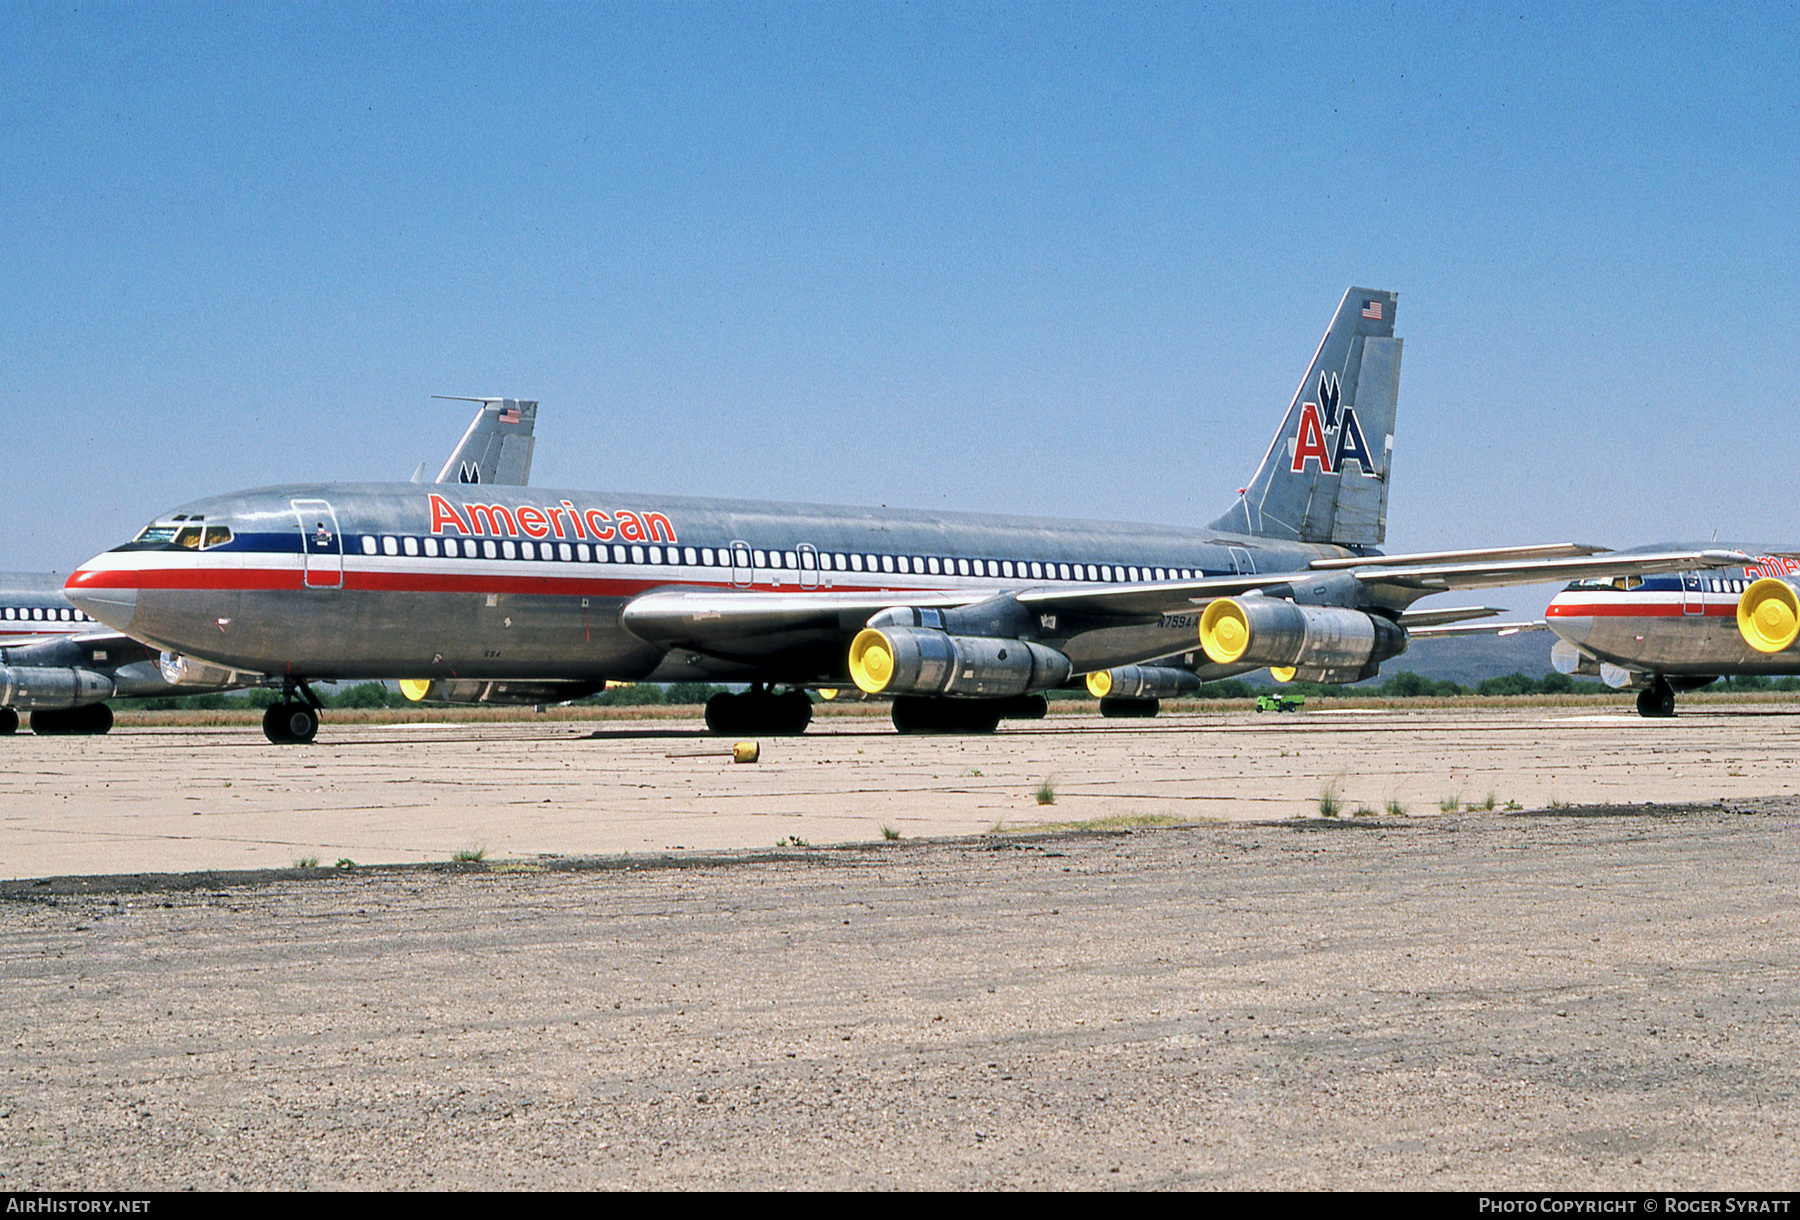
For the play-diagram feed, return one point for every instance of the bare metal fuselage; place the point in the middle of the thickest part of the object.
(385, 581)
(1678, 624)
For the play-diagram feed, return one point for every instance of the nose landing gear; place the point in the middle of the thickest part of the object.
(1656, 700)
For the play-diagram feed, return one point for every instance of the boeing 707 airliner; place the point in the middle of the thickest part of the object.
(960, 619)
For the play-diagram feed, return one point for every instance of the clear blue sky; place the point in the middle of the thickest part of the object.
(1057, 260)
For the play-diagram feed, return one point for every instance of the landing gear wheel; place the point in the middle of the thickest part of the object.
(88, 721)
(1119, 707)
(794, 712)
(722, 715)
(9, 722)
(759, 711)
(288, 724)
(1656, 700)
(924, 714)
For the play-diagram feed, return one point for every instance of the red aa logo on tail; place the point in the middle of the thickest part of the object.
(1328, 436)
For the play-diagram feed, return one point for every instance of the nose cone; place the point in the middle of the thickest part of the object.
(1570, 619)
(103, 593)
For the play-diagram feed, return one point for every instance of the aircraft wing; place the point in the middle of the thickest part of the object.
(728, 623)
(1451, 631)
(1438, 616)
(1494, 574)
(1413, 575)
(743, 625)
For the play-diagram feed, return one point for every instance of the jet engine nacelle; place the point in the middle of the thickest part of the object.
(997, 618)
(476, 690)
(921, 661)
(1768, 615)
(1142, 682)
(49, 688)
(1565, 658)
(1271, 631)
(178, 670)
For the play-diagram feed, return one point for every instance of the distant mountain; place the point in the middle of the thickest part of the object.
(1465, 660)
(1470, 659)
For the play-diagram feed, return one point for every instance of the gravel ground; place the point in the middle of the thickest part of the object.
(1572, 999)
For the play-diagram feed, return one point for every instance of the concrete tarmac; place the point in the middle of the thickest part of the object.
(1598, 997)
(176, 800)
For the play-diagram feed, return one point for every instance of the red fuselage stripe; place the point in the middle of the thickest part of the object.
(289, 580)
(1648, 610)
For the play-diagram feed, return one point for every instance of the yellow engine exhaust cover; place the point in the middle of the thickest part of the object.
(871, 661)
(1768, 615)
(1224, 631)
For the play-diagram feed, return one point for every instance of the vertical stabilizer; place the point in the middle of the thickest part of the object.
(1325, 477)
(497, 447)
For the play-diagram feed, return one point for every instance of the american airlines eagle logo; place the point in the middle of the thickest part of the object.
(1330, 436)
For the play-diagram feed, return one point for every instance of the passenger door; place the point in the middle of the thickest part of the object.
(1693, 593)
(321, 544)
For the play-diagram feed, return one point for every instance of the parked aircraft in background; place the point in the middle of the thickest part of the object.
(961, 619)
(61, 666)
(1680, 631)
(497, 447)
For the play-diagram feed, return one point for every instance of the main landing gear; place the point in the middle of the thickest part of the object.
(9, 722)
(89, 721)
(926, 714)
(1657, 700)
(294, 720)
(758, 710)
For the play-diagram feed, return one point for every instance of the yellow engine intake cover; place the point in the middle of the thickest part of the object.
(1224, 632)
(1282, 673)
(871, 660)
(415, 688)
(1099, 683)
(1768, 615)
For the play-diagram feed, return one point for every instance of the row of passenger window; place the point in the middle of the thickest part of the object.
(42, 614)
(748, 558)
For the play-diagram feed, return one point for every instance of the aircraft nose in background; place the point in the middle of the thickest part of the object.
(1570, 620)
(92, 592)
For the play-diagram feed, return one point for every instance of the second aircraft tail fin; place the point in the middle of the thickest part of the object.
(1325, 476)
(497, 447)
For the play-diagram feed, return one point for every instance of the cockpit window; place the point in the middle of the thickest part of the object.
(1624, 584)
(189, 533)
